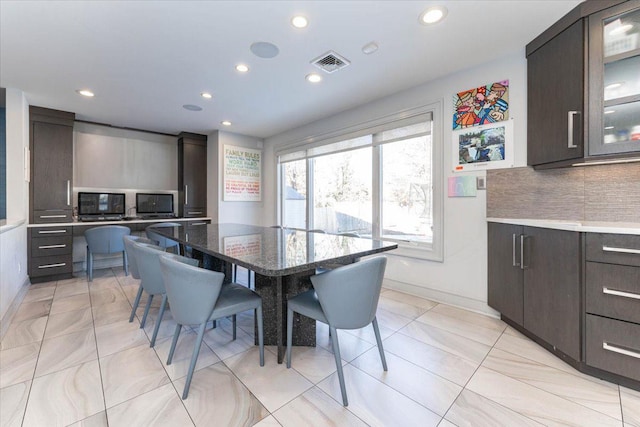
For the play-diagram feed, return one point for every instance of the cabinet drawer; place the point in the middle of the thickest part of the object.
(614, 346)
(613, 248)
(46, 232)
(51, 265)
(613, 291)
(47, 246)
(194, 212)
(46, 216)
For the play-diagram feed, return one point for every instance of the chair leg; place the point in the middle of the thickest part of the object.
(260, 333)
(289, 335)
(248, 278)
(233, 319)
(379, 342)
(146, 311)
(89, 264)
(136, 303)
(176, 334)
(234, 276)
(194, 359)
(163, 305)
(125, 263)
(336, 354)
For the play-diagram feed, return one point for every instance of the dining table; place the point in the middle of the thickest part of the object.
(282, 260)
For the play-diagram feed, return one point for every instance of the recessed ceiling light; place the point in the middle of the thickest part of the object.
(370, 48)
(85, 92)
(225, 123)
(264, 50)
(192, 107)
(206, 95)
(433, 14)
(242, 68)
(314, 78)
(299, 21)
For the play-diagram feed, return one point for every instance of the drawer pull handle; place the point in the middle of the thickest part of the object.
(198, 223)
(52, 232)
(620, 293)
(53, 216)
(194, 213)
(620, 350)
(621, 250)
(62, 264)
(52, 246)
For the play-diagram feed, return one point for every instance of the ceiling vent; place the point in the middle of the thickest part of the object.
(330, 62)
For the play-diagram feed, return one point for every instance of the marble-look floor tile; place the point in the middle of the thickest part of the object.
(472, 410)
(167, 326)
(65, 397)
(13, 401)
(32, 310)
(159, 408)
(539, 405)
(97, 420)
(350, 345)
(182, 356)
(216, 394)
(376, 403)
(487, 336)
(70, 303)
(111, 313)
(314, 363)
(402, 308)
(25, 332)
(409, 299)
(269, 421)
(447, 341)
(119, 336)
(39, 294)
(129, 373)
(107, 296)
(66, 351)
(316, 408)
(592, 393)
(221, 341)
(470, 317)
(68, 322)
(18, 364)
(430, 390)
(368, 334)
(77, 287)
(630, 406)
(445, 423)
(51, 284)
(78, 277)
(260, 380)
(439, 362)
(392, 320)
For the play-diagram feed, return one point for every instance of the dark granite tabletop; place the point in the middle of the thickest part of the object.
(274, 251)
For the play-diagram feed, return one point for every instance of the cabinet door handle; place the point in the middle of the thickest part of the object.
(624, 294)
(194, 213)
(620, 350)
(53, 216)
(198, 223)
(52, 232)
(570, 120)
(186, 194)
(68, 193)
(522, 238)
(513, 251)
(621, 250)
(62, 264)
(52, 246)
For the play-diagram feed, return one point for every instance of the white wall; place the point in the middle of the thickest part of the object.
(462, 278)
(13, 236)
(218, 209)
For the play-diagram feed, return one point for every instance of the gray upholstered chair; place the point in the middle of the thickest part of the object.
(105, 239)
(133, 266)
(197, 295)
(163, 241)
(344, 298)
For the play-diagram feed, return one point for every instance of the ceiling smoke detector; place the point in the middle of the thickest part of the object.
(330, 62)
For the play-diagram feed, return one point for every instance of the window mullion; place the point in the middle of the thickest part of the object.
(310, 189)
(376, 188)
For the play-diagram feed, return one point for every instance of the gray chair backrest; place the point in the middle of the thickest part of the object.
(349, 295)
(128, 242)
(106, 239)
(163, 241)
(192, 291)
(147, 258)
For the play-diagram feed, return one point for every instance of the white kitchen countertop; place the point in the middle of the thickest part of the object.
(584, 226)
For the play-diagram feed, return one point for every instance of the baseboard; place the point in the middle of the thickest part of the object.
(13, 307)
(442, 297)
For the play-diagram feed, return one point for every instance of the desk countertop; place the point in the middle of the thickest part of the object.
(121, 222)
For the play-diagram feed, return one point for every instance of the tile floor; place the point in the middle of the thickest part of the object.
(71, 357)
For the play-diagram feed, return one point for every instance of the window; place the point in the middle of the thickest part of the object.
(380, 180)
(3, 165)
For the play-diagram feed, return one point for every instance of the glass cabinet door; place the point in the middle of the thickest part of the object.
(614, 80)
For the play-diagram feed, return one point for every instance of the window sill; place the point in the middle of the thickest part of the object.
(408, 250)
(7, 225)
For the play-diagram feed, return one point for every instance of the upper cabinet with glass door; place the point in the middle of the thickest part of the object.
(614, 82)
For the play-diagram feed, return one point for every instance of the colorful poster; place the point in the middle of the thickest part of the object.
(481, 106)
(242, 174)
(484, 147)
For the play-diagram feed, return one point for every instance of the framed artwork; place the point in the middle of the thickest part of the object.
(242, 174)
(483, 147)
(482, 105)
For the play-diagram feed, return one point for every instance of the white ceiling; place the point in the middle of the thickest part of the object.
(145, 59)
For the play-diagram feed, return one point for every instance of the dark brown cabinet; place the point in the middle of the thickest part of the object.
(192, 175)
(51, 185)
(534, 281)
(50, 253)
